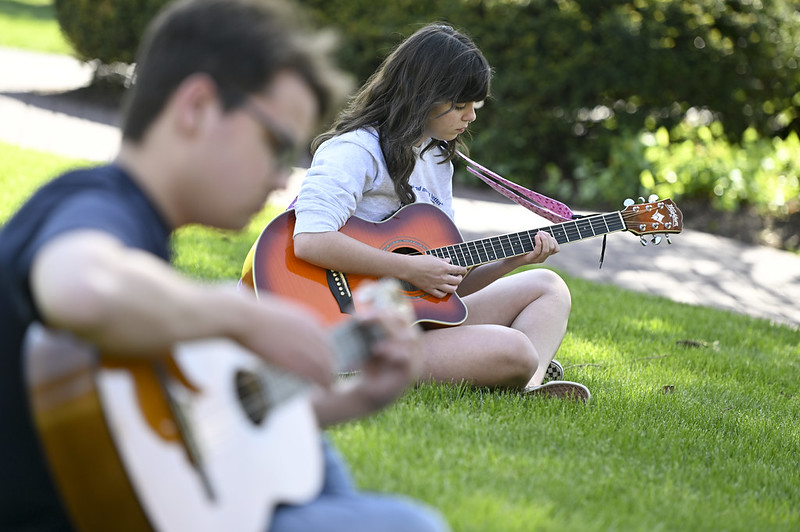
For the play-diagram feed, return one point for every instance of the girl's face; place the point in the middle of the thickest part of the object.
(446, 122)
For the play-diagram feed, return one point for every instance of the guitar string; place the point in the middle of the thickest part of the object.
(503, 246)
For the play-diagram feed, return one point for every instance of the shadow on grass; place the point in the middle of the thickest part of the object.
(96, 102)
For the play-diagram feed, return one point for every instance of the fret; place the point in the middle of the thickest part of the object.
(437, 252)
(488, 252)
(480, 245)
(605, 224)
(617, 224)
(531, 235)
(516, 244)
(497, 247)
(571, 230)
(474, 254)
(559, 233)
(584, 228)
(492, 245)
(598, 225)
(508, 247)
(461, 258)
(450, 253)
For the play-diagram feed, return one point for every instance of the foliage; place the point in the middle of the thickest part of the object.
(577, 81)
(105, 30)
(699, 162)
(573, 75)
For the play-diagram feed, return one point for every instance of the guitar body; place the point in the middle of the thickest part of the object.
(415, 228)
(169, 446)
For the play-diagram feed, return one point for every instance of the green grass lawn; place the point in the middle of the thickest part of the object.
(695, 423)
(31, 24)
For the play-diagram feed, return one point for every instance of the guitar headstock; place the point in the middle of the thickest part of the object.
(657, 216)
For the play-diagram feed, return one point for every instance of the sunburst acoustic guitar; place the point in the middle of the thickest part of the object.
(421, 228)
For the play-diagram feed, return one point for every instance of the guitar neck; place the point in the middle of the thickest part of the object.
(486, 250)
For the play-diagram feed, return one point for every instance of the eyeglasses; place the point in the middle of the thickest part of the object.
(282, 143)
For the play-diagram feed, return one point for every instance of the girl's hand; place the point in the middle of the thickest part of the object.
(545, 245)
(434, 275)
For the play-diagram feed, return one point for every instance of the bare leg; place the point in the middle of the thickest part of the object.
(514, 328)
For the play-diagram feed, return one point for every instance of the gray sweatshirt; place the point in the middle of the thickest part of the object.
(348, 176)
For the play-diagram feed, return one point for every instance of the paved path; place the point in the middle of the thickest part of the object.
(698, 268)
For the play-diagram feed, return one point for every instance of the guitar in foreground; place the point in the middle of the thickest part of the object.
(421, 228)
(208, 438)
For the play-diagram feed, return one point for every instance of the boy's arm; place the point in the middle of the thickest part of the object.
(130, 303)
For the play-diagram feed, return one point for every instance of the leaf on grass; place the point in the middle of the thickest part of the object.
(669, 388)
(692, 343)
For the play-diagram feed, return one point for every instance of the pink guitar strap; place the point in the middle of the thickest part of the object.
(547, 208)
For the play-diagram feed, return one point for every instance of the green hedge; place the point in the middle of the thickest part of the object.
(577, 81)
(700, 163)
(573, 77)
(105, 30)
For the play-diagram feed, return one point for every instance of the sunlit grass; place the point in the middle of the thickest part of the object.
(695, 423)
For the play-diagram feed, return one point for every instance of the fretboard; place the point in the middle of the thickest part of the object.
(483, 251)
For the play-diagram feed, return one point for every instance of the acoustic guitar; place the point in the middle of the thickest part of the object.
(208, 437)
(421, 228)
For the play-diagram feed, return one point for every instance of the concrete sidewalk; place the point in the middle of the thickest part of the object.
(698, 268)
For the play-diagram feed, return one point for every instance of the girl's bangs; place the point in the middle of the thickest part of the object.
(474, 81)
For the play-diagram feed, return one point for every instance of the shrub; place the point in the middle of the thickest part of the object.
(578, 81)
(698, 162)
(573, 76)
(107, 31)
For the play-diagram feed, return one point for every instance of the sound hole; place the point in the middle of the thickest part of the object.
(252, 398)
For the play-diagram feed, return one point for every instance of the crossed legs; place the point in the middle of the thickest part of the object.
(513, 330)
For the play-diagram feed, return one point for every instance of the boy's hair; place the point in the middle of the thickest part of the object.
(435, 65)
(240, 44)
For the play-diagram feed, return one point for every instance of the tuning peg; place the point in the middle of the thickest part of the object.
(643, 240)
(628, 202)
(656, 240)
(641, 199)
(668, 240)
(652, 198)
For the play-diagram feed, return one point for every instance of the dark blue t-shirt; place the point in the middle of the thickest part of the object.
(103, 198)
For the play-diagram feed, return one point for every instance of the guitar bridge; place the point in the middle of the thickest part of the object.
(337, 284)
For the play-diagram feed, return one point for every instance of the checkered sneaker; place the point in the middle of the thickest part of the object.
(561, 390)
(554, 372)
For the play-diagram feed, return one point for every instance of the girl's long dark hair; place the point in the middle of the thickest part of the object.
(436, 65)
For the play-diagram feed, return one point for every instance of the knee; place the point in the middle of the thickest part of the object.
(521, 358)
(556, 289)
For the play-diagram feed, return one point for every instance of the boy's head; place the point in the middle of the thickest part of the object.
(240, 44)
(224, 93)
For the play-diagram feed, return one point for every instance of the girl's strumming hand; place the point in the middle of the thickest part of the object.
(434, 275)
